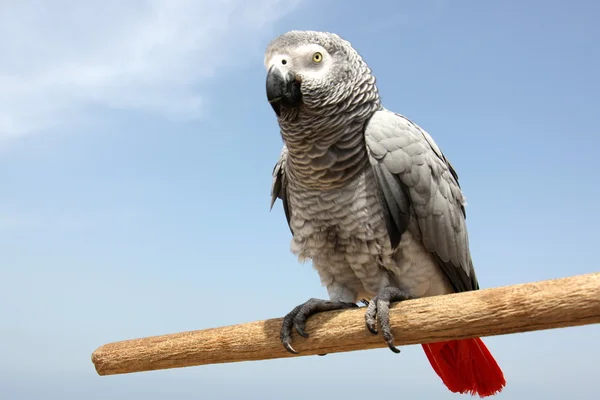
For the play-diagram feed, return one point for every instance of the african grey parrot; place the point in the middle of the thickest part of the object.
(369, 198)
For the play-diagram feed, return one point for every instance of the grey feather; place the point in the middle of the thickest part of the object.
(415, 176)
(396, 202)
(279, 186)
(368, 195)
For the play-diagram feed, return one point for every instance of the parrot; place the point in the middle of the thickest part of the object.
(370, 200)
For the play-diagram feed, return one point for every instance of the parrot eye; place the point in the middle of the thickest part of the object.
(317, 57)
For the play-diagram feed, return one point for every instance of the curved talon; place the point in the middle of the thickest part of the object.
(378, 310)
(286, 330)
(389, 339)
(371, 327)
(393, 348)
(296, 318)
(289, 348)
(300, 330)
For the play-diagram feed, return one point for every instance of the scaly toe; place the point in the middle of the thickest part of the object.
(296, 319)
(378, 313)
(370, 317)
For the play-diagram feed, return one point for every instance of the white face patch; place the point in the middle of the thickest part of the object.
(302, 61)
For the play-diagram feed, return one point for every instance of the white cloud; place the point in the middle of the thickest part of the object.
(69, 220)
(59, 58)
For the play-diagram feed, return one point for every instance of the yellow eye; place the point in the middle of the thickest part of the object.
(317, 57)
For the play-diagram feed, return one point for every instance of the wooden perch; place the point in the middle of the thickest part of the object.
(526, 307)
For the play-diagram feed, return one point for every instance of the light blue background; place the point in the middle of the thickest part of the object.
(120, 222)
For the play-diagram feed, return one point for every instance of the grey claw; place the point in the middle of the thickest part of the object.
(289, 348)
(393, 348)
(378, 310)
(300, 330)
(370, 317)
(296, 318)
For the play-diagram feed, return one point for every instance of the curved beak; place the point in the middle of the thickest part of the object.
(283, 89)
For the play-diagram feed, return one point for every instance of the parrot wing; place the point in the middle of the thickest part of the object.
(279, 186)
(415, 179)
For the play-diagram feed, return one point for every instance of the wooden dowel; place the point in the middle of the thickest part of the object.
(525, 307)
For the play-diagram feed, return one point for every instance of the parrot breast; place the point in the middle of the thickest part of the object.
(343, 232)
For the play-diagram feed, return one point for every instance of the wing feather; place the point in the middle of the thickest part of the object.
(415, 178)
(279, 186)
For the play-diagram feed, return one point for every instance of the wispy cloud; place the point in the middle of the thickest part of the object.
(60, 58)
(91, 218)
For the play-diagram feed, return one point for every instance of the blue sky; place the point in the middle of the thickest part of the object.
(136, 149)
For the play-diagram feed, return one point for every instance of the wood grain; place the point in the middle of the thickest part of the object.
(525, 307)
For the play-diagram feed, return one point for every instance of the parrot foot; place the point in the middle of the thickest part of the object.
(378, 309)
(298, 316)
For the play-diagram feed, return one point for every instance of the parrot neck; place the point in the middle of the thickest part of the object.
(325, 135)
(327, 150)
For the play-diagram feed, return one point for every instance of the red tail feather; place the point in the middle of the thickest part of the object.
(466, 366)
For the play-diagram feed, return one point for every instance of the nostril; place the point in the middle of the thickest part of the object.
(284, 62)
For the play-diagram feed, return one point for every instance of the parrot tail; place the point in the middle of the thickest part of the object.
(466, 366)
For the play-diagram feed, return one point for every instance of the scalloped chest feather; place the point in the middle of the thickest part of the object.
(343, 232)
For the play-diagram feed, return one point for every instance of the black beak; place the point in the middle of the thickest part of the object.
(282, 90)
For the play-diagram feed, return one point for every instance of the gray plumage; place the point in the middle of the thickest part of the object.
(370, 199)
(368, 195)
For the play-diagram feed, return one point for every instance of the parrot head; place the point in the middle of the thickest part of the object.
(309, 72)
